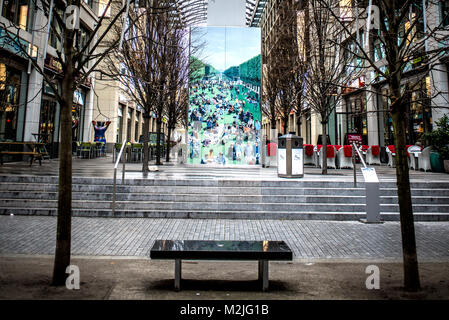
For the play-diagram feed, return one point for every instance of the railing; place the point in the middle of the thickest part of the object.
(120, 156)
(354, 150)
(371, 189)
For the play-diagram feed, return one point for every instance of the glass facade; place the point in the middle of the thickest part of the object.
(17, 11)
(79, 99)
(119, 124)
(444, 13)
(10, 84)
(419, 114)
(356, 120)
(136, 129)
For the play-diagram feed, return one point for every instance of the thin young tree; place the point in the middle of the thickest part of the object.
(177, 97)
(78, 58)
(410, 40)
(144, 57)
(326, 69)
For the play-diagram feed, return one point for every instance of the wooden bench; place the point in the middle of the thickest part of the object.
(35, 154)
(262, 251)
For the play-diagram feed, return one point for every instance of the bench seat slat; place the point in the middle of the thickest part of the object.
(20, 152)
(220, 250)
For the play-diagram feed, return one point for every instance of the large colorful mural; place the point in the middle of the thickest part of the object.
(224, 110)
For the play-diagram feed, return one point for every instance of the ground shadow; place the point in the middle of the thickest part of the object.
(216, 285)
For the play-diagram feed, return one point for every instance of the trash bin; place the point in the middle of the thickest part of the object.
(290, 156)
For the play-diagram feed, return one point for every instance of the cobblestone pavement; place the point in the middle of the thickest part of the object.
(308, 239)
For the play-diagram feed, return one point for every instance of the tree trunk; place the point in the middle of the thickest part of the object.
(146, 138)
(64, 221)
(158, 142)
(410, 259)
(285, 122)
(298, 124)
(167, 155)
(324, 148)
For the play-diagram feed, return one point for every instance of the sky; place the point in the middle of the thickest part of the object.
(242, 44)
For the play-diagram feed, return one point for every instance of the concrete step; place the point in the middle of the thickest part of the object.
(172, 197)
(232, 206)
(178, 205)
(215, 182)
(214, 198)
(95, 188)
(206, 214)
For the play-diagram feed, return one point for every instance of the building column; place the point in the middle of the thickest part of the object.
(315, 124)
(88, 133)
(372, 121)
(439, 92)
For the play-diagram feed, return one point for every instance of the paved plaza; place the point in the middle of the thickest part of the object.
(309, 240)
(329, 257)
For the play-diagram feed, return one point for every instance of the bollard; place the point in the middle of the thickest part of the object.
(372, 196)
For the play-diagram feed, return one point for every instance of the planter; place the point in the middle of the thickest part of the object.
(436, 162)
(446, 165)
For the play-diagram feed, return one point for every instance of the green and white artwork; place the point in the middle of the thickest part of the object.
(224, 102)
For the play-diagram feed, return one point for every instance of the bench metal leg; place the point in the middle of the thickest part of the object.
(263, 274)
(178, 265)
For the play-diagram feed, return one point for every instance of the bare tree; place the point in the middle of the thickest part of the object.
(154, 47)
(78, 57)
(409, 39)
(178, 76)
(327, 70)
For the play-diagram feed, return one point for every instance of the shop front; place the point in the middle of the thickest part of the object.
(356, 115)
(50, 110)
(419, 113)
(13, 81)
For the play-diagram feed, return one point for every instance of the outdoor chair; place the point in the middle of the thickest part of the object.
(424, 159)
(85, 149)
(78, 149)
(330, 157)
(117, 148)
(94, 149)
(316, 155)
(308, 154)
(136, 151)
(344, 155)
(412, 157)
(373, 155)
(391, 156)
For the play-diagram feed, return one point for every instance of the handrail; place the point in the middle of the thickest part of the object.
(360, 156)
(354, 150)
(120, 155)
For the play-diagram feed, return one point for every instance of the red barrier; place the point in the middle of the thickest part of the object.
(347, 151)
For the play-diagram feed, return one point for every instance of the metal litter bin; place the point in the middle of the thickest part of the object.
(290, 156)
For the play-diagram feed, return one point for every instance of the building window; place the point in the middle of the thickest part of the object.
(128, 126)
(84, 35)
(55, 35)
(79, 103)
(88, 2)
(119, 124)
(444, 13)
(136, 130)
(10, 80)
(16, 11)
(379, 50)
(356, 121)
(47, 120)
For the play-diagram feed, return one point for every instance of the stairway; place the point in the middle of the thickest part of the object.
(218, 198)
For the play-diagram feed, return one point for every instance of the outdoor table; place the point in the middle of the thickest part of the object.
(34, 146)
